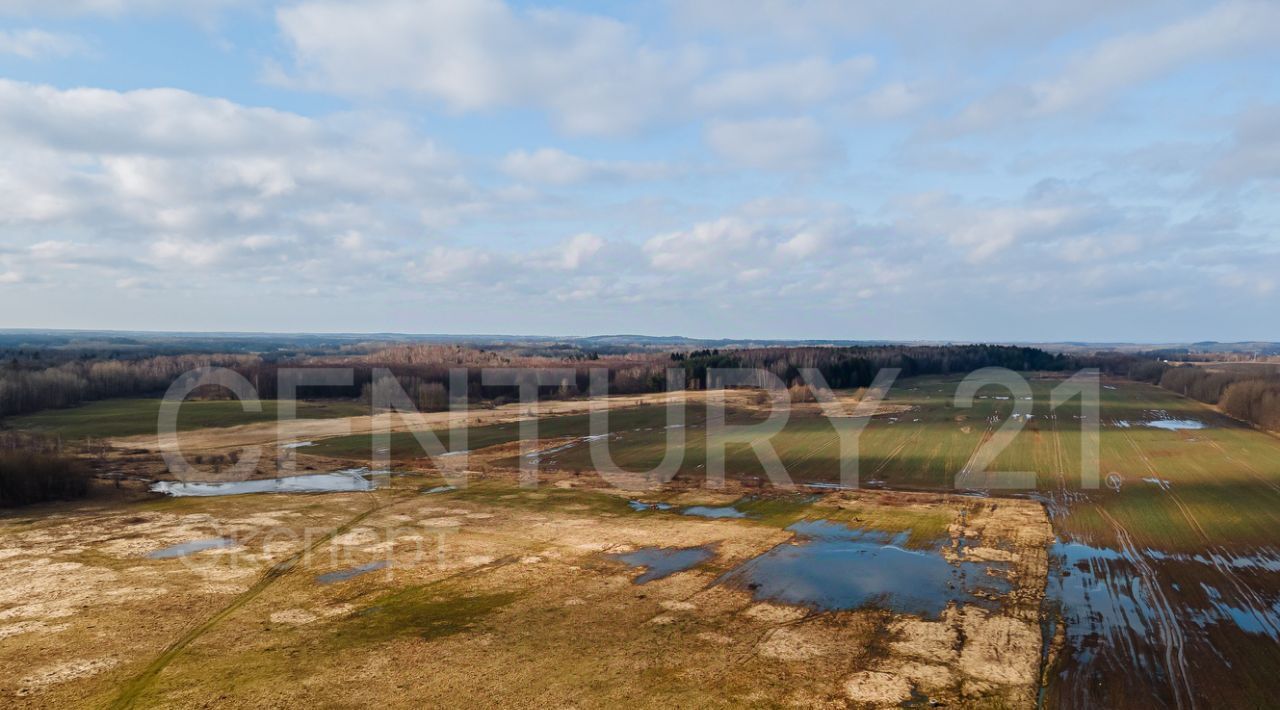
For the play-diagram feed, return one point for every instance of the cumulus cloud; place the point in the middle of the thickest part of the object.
(591, 73)
(553, 166)
(165, 179)
(1124, 61)
(39, 44)
(809, 80)
(115, 8)
(775, 144)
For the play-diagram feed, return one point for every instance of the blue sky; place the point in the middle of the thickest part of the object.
(992, 170)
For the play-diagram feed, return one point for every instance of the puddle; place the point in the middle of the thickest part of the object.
(344, 575)
(703, 511)
(336, 482)
(831, 567)
(660, 562)
(298, 445)
(190, 548)
(1175, 424)
(439, 489)
(641, 505)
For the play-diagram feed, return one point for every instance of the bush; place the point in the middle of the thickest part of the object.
(32, 476)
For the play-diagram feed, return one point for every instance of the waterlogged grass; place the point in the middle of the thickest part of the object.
(541, 499)
(1224, 480)
(405, 445)
(427, 612)
(133, 417)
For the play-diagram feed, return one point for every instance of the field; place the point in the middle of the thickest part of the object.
(1179, 539)
(1159, 587)
(135, 417)
(503, 595)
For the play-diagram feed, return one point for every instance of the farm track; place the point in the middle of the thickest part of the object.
(1166, 620)
(132, 689)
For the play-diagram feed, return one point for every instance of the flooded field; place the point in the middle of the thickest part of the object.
(659, 562)
(498, 590)
(830, 567)
(1162, 582)
(350, 480)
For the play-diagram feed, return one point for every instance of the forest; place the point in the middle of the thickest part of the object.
(42, 378)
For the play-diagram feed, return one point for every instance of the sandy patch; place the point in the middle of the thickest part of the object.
(773, 613)
(63, 672)
(294, 617)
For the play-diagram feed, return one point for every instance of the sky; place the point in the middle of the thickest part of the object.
(885, 169)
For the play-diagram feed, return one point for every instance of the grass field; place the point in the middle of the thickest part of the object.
(1223, 480)
(131, 417)
(494, 592)
(1183, 574)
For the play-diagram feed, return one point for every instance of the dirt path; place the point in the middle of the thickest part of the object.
(269, 433)
(133, 688)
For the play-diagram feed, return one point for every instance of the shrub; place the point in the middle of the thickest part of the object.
(33, 476)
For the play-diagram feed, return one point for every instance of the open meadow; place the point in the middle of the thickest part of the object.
(1165, 576)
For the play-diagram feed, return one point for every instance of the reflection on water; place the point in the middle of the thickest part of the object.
(641, 505)
(831, 566)
(660, 562)
(1157, 615)
(336, 482)
(1176, 424)
(703, 511)
(343, 575)
(189, 548)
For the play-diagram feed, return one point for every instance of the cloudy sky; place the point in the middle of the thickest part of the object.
(1083, 170)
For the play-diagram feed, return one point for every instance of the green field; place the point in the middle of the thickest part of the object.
(132, 417)
(1224, 480)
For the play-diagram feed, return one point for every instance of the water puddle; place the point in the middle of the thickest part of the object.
(703, 511)
(830, 566)
(1175, 424)
(641, 505)
(830, 486)
(659, 562)
(336, 482)
(190, 548)
(439, 489)
(344, 575)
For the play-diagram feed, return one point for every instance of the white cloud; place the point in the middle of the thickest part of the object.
(975, 25)
(553, 166)
(717, 244)
(115, 8)
(802, 245)
(591, 73)
(1124, 61)
(775, 144)
(1254, 149)
(810, 80)
(38, 44)
(893, 100)
(10, 277)
(578, 249)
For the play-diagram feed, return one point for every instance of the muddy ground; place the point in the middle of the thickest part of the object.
(493, 595)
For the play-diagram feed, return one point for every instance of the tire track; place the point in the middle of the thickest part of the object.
(1166, 620)
(129, 693)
